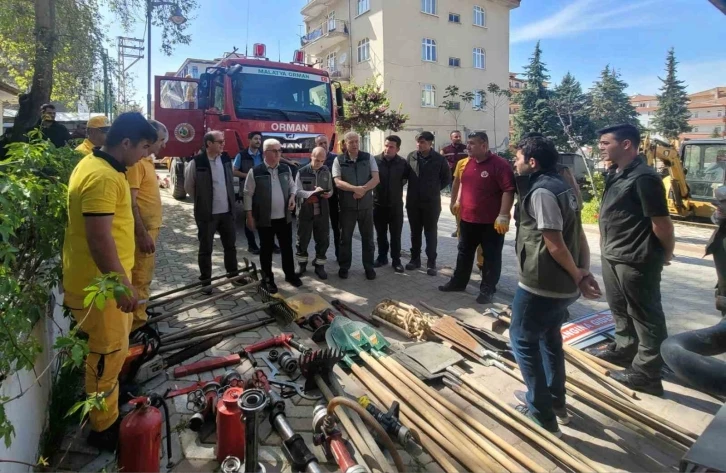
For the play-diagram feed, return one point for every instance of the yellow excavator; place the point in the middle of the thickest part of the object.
(695, 169)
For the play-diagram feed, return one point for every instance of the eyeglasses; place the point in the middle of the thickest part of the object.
(220, 142)
(276, 151)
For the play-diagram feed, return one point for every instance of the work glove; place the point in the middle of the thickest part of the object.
(501, 224)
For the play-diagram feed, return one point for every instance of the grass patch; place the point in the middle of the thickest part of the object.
(591, 211)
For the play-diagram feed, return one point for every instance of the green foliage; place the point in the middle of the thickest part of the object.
(716, 133)
(570, 105)
(535, 113)
(494, 98)
(671, 118)
(367, 108)
(609, 104)
(594, 187)
(455, 102)
(591, 211)
(67, 386)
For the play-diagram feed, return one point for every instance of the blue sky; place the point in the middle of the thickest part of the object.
(580, 36)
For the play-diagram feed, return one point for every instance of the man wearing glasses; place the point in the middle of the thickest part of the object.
(208, 180)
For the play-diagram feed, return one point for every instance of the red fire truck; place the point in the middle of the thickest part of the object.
(291, 102)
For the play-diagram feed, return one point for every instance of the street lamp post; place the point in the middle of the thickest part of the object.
(177, 18)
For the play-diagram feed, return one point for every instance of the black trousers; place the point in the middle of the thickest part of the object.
(472, 235)
(387, 219)
(224, 225)
(335, 221)
(426, 220)
(633, 294)
(281, 229)
(348, 220)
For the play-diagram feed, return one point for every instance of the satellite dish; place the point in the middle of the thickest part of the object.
(343, 58)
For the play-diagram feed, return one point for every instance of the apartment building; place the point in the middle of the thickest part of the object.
(707, 107)
(415, 49)
(516, 84)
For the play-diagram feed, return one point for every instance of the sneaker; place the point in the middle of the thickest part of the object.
(254, 250)
(415, 263)
(431, 271)
(451, 287)
(398, 267)
(295, 280)
(638, 381)
(611, 354)
(320, 272)
(106, 439)
(563, 418)
(370, 274)
(484, 297)
(343, 273)
(550, 426)
(380, 262)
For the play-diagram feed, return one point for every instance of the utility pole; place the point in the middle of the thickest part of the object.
(128, 48)
(104, 57)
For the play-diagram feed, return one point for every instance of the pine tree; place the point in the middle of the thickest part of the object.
(570, 106)
(535, 113)
(671, 118)
(609, 104)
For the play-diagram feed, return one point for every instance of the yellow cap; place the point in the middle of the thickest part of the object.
(100, 121)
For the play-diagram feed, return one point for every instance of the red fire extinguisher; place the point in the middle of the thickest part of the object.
(230, 429)
(140, 436)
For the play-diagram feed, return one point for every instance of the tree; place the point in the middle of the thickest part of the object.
(716, 133)
(455, 103)
(367, 108)
(609, 104)
(495, 97)
(535, 114)
(671, 118)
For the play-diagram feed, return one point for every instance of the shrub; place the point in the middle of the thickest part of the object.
(591, 211)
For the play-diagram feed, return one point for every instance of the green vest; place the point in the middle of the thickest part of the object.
(537, 269)
(310, 180)
(356, 173)
(203, 193)
(262, 198)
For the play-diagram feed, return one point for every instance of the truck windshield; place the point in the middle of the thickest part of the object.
(274, 94)
(706, 165)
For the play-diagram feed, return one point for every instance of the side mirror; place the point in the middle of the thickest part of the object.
(339, 100)
(205, 81)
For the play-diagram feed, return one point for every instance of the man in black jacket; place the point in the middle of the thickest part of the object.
(393, 172)
(429, 175)
(51, 129)
(246, 160)
(333, 205)
(208, 180)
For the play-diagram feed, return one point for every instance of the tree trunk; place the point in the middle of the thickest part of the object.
(42, 85)
(496, 145)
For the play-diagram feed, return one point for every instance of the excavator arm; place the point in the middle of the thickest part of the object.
(677, 192)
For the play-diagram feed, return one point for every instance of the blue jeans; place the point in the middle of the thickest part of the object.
(537, 344)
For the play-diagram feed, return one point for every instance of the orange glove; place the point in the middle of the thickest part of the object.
(501, 224)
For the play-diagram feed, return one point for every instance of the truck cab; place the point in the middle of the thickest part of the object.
(705, 164)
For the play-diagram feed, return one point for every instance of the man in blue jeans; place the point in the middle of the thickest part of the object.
(554, 262)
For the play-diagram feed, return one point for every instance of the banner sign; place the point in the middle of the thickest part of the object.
(587, 327)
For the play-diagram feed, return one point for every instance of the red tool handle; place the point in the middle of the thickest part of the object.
(282, 339)
(340, 452)
(188, 389)
(206, 365)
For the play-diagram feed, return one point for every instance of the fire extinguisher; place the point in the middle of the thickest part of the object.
(140, 436)
(230, 429)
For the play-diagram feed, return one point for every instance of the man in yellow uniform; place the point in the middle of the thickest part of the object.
(99, 239)
(96, 130)
(146, 206)
(456, 205)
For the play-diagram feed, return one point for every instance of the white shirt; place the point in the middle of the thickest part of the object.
(336, 166)
(279, 205)
(220, 203)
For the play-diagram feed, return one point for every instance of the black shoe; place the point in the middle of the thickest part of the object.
(398, 267)
(450, 287)
(484, 297)
(276, 249)
(370, 274)
(611, 354)
(550, 426)
(207, 290)
(106, 439)
(303, 269)
(343, 273)
(270, 286)
(380, 262)
(431, 271)
(320, 271)
(638, 381)
(294, 280)
(454, 235)
(415, 263)
(254, 250)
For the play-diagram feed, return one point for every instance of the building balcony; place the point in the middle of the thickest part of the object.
(340, 73)
(327, 35)
(315, 8)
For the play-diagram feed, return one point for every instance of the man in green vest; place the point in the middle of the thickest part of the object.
(554, 262)
(356, 175)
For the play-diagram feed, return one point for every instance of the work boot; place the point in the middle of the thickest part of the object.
(611, 354)
(638, 381)
(254, 250)
(397, 266)
(431, 269)
(207, 289)
(343, 273)
(381, 261)
(415, 263)
(270, 286)
(106, 439)
(563, 418)
(451, 287)
(370, 274)
(484, 297)
(550, 426)
(294, 280)
(303, 269)
(320, 271)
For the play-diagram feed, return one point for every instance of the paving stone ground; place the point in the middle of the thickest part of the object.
(687, 297)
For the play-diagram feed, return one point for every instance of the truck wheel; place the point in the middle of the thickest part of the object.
(177, 179)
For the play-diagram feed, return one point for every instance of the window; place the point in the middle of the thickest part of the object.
(331, 21)
(454, 18)
(330, 61)
(480, 16)
(195, 73)
(454, 62)
(219, 92)
(363, 6)
(695, 114)
(719, 113)
(428, 50)
(428, 6)
(479, 100)
(365, 142)
(479, 58)
(428, 95)
(364, 50)
(695, 129)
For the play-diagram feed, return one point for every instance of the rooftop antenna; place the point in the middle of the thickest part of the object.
(279, 53)
(247, 39)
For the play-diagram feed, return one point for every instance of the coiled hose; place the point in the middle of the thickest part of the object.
(372, 423)
(689, 355)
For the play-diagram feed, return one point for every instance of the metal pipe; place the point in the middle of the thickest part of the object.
(285, 431)
(252, 403)
(199, 283)
(181, 310)
(229, 331)
(158, 303)
(216, 321)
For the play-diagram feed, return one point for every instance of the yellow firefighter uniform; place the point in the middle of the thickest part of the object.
(142, 177)
(98, 187)
(85, 148)
(458, 171)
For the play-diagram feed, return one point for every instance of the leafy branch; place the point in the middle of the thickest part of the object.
(455, 102)
(367, 108)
